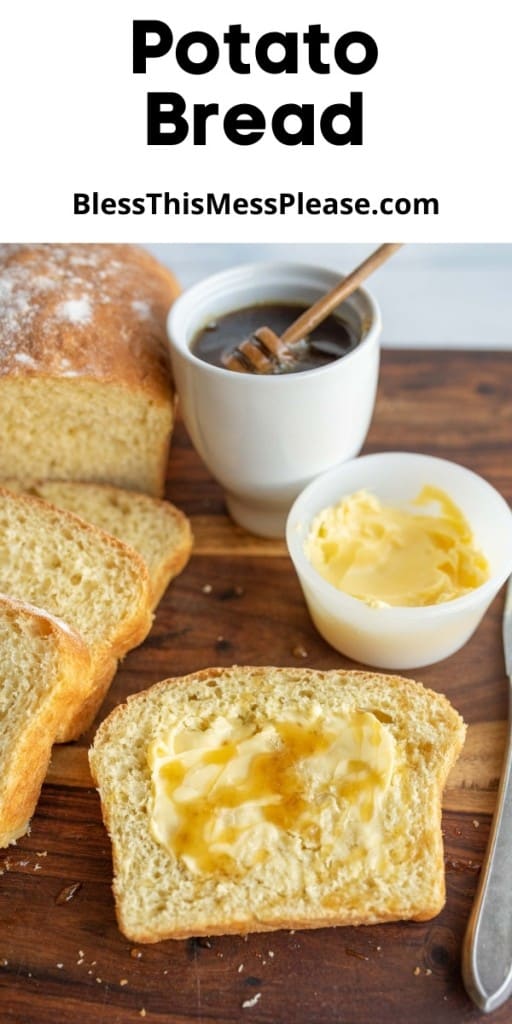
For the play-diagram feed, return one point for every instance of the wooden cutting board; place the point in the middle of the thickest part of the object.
(62, 957)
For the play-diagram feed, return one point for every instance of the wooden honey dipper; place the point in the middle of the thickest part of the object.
(264, 350)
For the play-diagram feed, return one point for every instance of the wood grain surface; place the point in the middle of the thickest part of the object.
(62, 958)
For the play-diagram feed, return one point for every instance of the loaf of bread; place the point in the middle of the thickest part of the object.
(252, 799)
(156, 529)
(43, 669)
(85, 386)
(99, 586)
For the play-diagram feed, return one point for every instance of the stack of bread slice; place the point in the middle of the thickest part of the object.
(158, 530)
(85, 570)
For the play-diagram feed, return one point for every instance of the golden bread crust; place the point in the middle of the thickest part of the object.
(90, 311)
(97, 503)
(124, 633)
(23, 774)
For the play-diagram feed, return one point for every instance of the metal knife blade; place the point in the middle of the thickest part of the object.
(487, 948)
(507, 631)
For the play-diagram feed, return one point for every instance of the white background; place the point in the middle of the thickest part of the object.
(437, 120)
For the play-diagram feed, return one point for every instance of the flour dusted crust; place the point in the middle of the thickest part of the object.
(83, 310)
(158, 898)
(85, 384)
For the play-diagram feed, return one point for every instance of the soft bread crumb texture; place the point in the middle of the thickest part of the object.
(158, 897)
(42, 665)
(99, 586)
(159, 531)
(85, 383)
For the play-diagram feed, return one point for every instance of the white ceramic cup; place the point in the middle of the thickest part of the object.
(264, 437)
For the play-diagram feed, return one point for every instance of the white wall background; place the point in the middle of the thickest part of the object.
(441, 296)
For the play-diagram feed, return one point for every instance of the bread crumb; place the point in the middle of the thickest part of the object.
(60, 966)
(135, 954)
(142, 1013)
(123, 981)
(98, 980)
(37, 867)
(271, 952)
(80, 960)
(207, 589)
(240, 968)
(67, 893)
(476, 824)
(4, 962)
(417, 970)
(428, 971)
(249, 1003)
(41, 853)
(81, 952)
(299, 651)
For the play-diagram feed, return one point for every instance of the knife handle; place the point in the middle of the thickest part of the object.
(487, 948)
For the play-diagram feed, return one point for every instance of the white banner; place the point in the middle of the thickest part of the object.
(366, 120)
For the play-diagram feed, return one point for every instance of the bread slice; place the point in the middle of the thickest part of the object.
(159, 531)
(91, 580)
(43, 666)
(278, 798)
(86, 391)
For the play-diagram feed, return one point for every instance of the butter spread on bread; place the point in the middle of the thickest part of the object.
(231, 795)
(250, 799)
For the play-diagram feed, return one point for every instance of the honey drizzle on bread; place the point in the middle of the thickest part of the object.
(297, 886)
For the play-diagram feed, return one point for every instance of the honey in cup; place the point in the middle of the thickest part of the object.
(262, 452)
(331, 340)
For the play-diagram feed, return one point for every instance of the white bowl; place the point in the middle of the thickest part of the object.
(264, 437)
(397, 638)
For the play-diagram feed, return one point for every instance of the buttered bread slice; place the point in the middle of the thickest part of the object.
(43, 666)
(252, 799)
(158, 530)
(95, 583)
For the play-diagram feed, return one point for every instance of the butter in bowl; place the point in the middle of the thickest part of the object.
(399, 556)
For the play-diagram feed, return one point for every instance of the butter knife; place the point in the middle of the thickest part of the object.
(487, 948)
